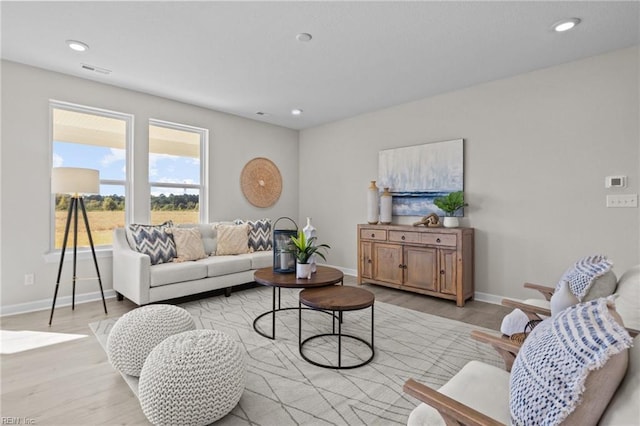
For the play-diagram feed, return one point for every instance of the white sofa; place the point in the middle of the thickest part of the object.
(136, 279)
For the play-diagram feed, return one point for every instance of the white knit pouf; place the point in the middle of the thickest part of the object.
(136, 333)
(192, 378)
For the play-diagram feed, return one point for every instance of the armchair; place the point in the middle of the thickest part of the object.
(627, 306)
(479, 394)
(627, 303)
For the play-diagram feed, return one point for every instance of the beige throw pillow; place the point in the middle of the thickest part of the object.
(233, 239)
(188, 244)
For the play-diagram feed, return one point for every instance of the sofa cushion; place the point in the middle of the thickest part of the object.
(232, 239)
(261, 259)
(154, 241)
(553, 377)
(259, 234)
(189, 244)
(481, 386)
(171, 273)
(224, 265)
(623, 407)
(628, 301)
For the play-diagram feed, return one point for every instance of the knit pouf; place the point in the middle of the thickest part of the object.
(192, 378)
(136, 333)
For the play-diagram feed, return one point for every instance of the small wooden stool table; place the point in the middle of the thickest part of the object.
(336, 299)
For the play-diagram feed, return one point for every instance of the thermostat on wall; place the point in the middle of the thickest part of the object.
(615, 182)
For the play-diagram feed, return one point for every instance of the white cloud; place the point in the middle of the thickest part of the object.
(115, 155)
(57, 160)
(153, 163)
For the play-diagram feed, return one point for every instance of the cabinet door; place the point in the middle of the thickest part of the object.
(366, 262)
(387, 263)
(448, 271)
(421, 268)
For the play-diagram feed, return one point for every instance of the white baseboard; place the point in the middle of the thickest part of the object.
(488, 298)
(479, 296)
(346, 271)
(45, 304)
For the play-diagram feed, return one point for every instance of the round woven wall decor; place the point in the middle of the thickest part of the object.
(261, 182)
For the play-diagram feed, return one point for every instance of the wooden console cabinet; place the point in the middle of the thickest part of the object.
(433, 261)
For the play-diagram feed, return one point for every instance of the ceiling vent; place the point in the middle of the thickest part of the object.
(96, 69)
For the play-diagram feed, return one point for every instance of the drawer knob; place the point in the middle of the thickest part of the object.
(437, 240)
(403, 238)
(401, 266)
(442, 272)
(373, 235)
(368, 260)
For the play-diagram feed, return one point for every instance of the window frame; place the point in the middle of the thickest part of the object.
(203, 187)
(128, 180)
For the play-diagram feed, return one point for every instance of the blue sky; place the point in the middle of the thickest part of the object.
(111, 163)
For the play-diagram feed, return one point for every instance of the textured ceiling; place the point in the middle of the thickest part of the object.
(243, 57)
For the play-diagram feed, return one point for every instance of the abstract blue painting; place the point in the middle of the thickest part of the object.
(417, 175)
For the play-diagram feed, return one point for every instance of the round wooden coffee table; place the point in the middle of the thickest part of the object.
(336, 299)
(324, 276)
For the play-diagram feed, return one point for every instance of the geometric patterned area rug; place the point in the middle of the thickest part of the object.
(284, 389)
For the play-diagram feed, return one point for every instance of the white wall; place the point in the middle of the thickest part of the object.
(537, 149)
(25, 161)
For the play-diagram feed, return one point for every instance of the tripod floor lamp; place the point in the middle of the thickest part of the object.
(76, 182)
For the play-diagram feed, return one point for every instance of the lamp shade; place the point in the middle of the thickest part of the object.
(74, 180)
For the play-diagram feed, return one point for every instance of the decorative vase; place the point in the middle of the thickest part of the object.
(303, 270)
(372, 203)
(309, 232)
(451, 222)
(385, 207)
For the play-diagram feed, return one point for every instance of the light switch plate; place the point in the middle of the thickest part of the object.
(622, 200)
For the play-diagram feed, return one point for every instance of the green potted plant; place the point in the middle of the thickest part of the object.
(303, 248)
(450, 204)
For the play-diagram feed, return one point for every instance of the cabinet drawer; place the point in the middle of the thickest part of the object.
(439, 239)
(404, 237)
(373, 234)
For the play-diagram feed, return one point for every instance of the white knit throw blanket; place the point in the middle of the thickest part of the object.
(548, 375)
(584, 273)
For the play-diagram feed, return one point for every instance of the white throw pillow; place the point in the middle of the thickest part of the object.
(562, 298)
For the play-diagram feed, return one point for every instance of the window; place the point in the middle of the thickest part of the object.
(177, 176)
(96, 139)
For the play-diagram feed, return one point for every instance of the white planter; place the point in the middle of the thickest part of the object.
(303, 270)
(451, 222)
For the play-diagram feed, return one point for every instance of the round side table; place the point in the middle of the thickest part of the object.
(336, 299)
(324, 276)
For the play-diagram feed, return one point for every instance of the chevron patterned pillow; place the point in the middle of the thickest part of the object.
(259, 234)
(154, 241)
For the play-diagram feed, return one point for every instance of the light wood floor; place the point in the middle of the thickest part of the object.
(73, 383)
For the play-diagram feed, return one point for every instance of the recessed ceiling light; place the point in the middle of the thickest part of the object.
(304, 37)
(565, 24)
(296, 111)
(78, 46)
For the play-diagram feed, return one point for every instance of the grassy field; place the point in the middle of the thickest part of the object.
(103, 222)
